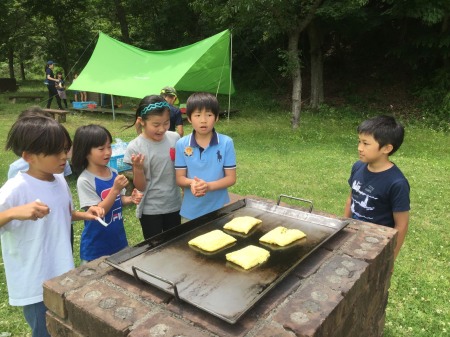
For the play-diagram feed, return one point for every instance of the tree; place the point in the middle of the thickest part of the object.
(315, 37)
(272, 19)
(11, 30)
(122, 18)
(328, 18)
(161, 25)
(60, 23)
(290, 20)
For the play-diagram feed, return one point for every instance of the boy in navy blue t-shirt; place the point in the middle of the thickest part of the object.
(379, 190)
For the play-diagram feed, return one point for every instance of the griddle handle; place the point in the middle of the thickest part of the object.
(295, 198)
(173, 285)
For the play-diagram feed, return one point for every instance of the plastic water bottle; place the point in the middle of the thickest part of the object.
(119, 148)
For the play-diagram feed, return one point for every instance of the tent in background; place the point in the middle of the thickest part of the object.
(116, 68)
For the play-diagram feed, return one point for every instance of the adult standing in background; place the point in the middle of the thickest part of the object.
(176, 121)
(51, 81)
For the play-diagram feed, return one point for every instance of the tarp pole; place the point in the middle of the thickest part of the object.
(112, 105)
(231, 67)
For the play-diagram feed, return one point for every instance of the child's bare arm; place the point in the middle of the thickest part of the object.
(32, 211)
(92, 213)
(138, 171)
(225, 182)
(200, 187)
(181, 178)
(401, 220)
(120, 182)
(134, 198)
(348, 203)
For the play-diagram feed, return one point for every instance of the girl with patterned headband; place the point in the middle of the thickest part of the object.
(152, 155)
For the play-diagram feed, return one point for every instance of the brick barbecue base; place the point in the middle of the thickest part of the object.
(340, 290)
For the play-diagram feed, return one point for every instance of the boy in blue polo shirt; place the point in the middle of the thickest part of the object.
(205, 161)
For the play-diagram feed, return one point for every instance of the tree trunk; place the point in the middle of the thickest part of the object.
(63, 55)
(444, 31)
(122, 18)
(315, 43)
(296, 78)
(22, 71)
(11, 61)
(296, 66)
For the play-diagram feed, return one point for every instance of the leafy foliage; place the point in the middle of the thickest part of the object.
(399, 41)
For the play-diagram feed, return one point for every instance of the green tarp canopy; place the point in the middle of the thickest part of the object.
(116, 68)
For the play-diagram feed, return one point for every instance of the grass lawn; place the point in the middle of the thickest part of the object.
(312, 162)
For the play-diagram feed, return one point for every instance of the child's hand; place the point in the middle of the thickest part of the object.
(136, 196)
(95, 211)
(120, 182)
(138, 161)
(32, 211)
(199, 187)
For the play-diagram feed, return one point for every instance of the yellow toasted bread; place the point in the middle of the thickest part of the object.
(242, 224)
(248, 257)
(212, 241)
(282, 236)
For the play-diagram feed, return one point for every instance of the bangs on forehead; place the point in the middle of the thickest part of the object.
(56, 140)
(207, 104)
(100, 138)
(38, 135)
(202, 101)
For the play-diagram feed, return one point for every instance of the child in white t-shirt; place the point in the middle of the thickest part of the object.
(36, 245)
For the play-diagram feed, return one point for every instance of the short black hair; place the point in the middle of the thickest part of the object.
(34, 111)
(37, 135)
(385, 130)
(200, 101)
(87, 137)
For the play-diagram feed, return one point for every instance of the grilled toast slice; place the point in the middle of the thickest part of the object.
(242, 224)
(282, 236)
(212, 241)
(248, 257)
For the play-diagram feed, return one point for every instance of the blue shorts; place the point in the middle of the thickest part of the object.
(35, 317)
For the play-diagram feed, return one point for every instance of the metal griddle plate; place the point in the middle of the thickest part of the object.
(207, 280)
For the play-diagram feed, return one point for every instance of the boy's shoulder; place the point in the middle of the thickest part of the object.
(22, 184)
(224, 137)
(396, 172)
(390, 175)
(185, 139)
(15, 182)
(220, 138)
(174, 109)
(358, 165)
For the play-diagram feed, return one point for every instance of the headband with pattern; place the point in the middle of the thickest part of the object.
(153, 106)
